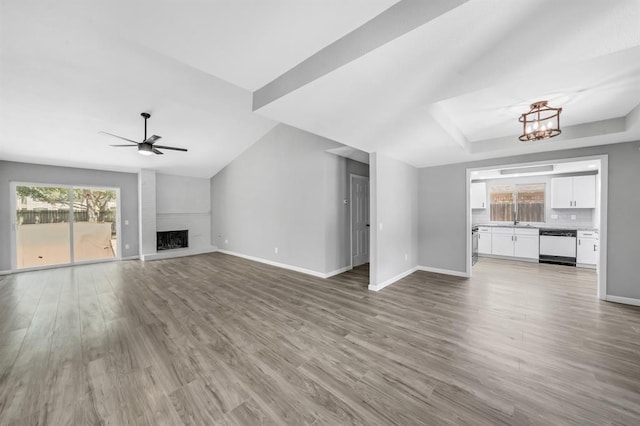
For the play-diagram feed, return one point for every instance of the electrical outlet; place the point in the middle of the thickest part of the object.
(226, 241)
(573, 217)
(126, 222)
(554, 216)
(406, 257)
(276, 250)
(381, 226)
(126, 246)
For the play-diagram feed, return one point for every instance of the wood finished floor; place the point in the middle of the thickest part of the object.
(215, 339)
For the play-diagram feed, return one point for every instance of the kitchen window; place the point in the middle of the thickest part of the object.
(521, 202)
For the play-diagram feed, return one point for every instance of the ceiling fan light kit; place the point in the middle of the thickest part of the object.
(540, 122)
(146, 147)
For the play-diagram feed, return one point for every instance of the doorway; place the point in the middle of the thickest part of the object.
(523, 209)
(359, 190)
(62, 225)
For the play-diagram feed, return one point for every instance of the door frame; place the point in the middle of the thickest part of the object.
(351, 176)
(14, 225)
(601, 269)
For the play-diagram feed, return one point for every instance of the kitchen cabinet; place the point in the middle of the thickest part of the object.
(484, 240)
(515, 242)
(573, 192)
(478, 195)
(587, 253)
(502, 241)
(527, 246)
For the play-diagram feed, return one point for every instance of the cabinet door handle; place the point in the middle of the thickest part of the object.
(595, 247)
(579, 243)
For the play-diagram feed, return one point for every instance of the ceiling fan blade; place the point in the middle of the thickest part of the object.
(170, 147)
(152, 139)
(123, 146)
(155, 151)
(119, 137)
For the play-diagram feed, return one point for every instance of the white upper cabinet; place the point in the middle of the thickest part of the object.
(584, 192)
(479, 195)
(574, 192)
(562, 193)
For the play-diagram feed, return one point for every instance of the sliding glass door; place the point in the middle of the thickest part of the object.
(94, 224)
(58, 225)
(43, 236)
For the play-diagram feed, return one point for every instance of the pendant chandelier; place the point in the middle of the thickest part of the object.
(541, 122)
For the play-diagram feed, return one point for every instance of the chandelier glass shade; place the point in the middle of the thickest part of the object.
(541, 122)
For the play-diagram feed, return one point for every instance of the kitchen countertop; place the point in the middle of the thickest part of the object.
(511, 225)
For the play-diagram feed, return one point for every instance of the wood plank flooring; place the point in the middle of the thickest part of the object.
(215, 339)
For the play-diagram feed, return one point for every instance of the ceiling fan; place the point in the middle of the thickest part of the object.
(146, 147)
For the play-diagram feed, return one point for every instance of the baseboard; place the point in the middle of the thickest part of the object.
(624, 300)
(130, 258)
(338, 271)
(518, 259)
(443, 271)
(280, 265)
(6, 272)
(585, 265)
(168, 254)
(392, 280)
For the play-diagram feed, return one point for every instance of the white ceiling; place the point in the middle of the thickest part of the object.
(450, 89)
(447, 90)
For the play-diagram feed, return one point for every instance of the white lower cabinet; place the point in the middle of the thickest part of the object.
(484, 240)
(502, 241)
(515, 242)
(587, 253)
(527, 246)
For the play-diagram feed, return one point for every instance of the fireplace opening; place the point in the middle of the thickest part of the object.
(167, 240)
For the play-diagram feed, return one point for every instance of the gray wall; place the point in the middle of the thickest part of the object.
(442, 212)
(35, 173)
(286, 192)
(184, 203)
(394, 192)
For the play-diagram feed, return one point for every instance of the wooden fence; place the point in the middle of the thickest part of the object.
(30, 217)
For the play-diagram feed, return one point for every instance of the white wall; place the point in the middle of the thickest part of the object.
(394, 220)
(184, 203)
(147, 211)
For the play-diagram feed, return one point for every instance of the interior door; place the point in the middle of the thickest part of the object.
(359, 220)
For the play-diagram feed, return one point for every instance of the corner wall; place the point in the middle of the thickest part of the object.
(284, 192)
(394, 220)
(442, 212)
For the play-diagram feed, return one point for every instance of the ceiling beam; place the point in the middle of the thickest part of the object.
(399, 19)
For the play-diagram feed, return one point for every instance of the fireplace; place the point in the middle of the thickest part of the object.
(167, 240)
